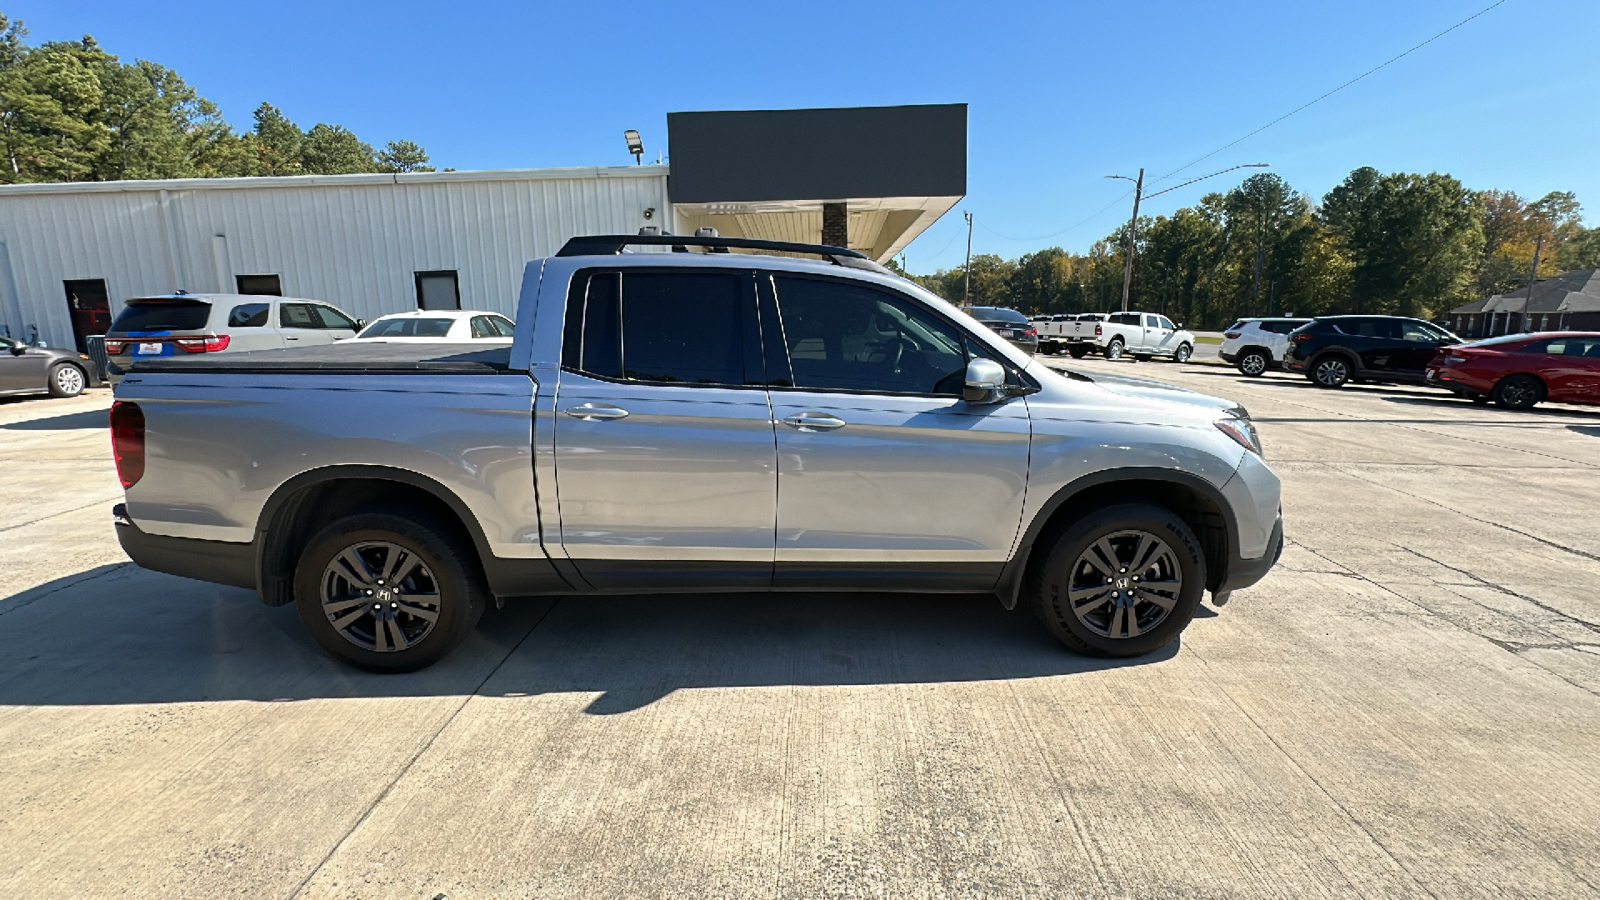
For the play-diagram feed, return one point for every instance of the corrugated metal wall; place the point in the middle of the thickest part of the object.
(355, 241)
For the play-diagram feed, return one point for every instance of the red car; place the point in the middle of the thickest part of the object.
(1518, 370)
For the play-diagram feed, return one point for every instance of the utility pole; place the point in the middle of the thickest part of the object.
(1133, 224)
(1133, 230)
(1533, 275)
(966, 270)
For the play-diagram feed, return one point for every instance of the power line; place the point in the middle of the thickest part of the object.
(1091, 218)
(1336, 90)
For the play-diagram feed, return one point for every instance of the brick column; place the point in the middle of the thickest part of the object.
(836, 224)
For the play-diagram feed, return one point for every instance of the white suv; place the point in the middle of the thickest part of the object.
(1256, 345)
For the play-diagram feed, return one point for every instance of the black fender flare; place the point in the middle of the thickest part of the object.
(1009, 585)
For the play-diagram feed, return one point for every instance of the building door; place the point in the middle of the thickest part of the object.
(90, 308)
(438, 290)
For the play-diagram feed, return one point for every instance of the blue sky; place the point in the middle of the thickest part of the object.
(1060, 93)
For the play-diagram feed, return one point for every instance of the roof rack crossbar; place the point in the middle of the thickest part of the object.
(612, 244)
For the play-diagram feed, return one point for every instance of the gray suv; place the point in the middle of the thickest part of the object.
(181, 324)
(689, 422)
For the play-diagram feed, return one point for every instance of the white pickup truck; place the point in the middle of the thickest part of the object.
(1142, 335)
(1070, 333)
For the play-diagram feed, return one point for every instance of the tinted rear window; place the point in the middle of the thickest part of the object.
(997, 314)
(162, 315)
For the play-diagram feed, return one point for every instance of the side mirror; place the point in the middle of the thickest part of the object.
(986, 381)
(18, 349)
(360, 324)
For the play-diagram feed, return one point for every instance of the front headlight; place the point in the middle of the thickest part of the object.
(1243, 432)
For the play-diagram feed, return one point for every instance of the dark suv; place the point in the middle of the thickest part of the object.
(1334, 350)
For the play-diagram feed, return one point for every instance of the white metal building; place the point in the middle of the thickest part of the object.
(374, 244)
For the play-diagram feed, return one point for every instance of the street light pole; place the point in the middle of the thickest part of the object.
(966, 270)
(1133, 230)
(1133, 224)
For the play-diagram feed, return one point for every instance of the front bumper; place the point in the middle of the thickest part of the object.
(1229, 358)
(1244, 572)
(219, 562)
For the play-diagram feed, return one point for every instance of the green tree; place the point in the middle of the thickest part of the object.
(335, 150)
(403, 156)
(277, 142)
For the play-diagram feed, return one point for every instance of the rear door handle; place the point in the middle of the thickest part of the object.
(594, 412)
(814, 420)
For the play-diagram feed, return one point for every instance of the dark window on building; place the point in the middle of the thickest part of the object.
(845, 337)
(259, 284)
(439, 289)
(249, 315)
(666, 327)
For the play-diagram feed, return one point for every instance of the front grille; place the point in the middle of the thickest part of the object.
(96, 347)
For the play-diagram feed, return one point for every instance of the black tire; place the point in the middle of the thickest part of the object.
(1329, 371)
(445, 563)
(1253, 363)
(67, 380)
(1518, 392)
(1057, 564)
(1114, 349)
(1078, 352)
(1182, 354)
(1142, 357)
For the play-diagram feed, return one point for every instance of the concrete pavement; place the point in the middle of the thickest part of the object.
(1407, 706)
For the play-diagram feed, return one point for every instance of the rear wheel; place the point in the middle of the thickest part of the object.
(1114, 349)
(1518, 391)
(1330, 371)
(1182, 354)
(1078, 352)
(1121, 581)
(1252, 363)
(388, 593)
(67, 380)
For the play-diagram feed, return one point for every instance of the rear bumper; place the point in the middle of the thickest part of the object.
(219, 562)
(1244, 572)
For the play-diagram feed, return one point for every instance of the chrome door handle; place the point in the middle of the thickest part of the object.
(817, 420)
(594, 412)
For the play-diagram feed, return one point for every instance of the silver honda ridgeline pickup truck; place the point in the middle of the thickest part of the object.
(687, 422)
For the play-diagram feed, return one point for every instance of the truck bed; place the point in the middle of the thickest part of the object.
(364, 357)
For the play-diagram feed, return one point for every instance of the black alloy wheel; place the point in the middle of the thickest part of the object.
(1122, 581)
(388, 592)
(1518, 391)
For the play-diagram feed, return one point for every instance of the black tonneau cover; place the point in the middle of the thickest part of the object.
(353, 357)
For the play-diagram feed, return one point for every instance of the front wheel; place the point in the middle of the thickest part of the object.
(388, 593)
(67, 380)
(1330, 372)
(1114, 349)
(1518, 391)
(1122, 581)
(1182, 354)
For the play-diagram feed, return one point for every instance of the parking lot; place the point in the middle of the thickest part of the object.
(1406, 706)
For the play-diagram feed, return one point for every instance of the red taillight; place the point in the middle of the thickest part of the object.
(114, 347)
(1097, 331)
(211, 343)
(1031, 331)
(127, 441)
(1299, 338)
(1232, 335)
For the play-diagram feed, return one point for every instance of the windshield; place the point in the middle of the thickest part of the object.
(162, 315)
(408, 328)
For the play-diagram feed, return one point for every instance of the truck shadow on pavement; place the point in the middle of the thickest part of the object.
(120, 635)
(88, 419)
